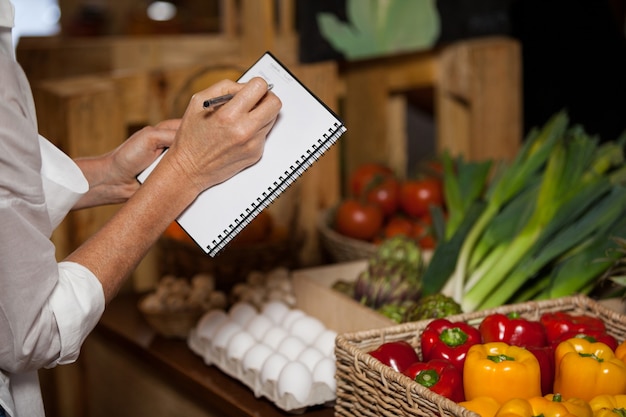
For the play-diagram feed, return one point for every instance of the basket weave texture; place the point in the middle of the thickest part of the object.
(366, 387)
(175, 324)
(342, 248)
(233, 264)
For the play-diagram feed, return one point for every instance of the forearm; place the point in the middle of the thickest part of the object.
(115, 250)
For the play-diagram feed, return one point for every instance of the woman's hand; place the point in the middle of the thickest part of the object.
(212, 145)
(112, 177)
(140, 150)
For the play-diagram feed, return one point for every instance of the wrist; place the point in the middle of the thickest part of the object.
(104, 186)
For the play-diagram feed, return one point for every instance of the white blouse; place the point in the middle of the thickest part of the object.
(47, 308)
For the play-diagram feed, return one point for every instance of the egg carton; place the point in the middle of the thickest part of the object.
(279, 353)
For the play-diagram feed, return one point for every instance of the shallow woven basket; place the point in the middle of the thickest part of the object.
(176, 324)
(366, 387)
(231, 265)
(342, 248)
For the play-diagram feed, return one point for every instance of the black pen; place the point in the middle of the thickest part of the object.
(218, 101)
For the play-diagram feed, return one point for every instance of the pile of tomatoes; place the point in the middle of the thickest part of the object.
(380, 205)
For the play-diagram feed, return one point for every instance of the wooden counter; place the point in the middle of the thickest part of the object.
(129, 370)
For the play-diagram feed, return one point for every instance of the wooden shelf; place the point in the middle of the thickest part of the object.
(192, 388)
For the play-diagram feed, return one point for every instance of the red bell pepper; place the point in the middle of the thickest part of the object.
(513, 330)
(592, 336)
(440, 376)
(545, 357)
(558, 323)
(443, 339)
(398, 355)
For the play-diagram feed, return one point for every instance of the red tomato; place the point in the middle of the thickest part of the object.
(364, 174)
(258, 230)
(174, 231)
(398, 225)
(416, 196)
(423, 233)
(385, 193)
(358, 220)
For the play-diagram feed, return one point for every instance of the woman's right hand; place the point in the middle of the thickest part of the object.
(212, 145)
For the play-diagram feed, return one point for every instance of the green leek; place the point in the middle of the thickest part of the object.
(565, 189)
(530, 159)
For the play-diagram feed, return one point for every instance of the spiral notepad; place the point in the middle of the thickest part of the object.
(304, 130)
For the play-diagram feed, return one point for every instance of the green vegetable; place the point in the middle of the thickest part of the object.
(344, 287)
(403, 252)
(569, 186)
(393, 275)
(542, 225)
(464, 185)
(432, 306)
(616, 273)
(395, 312)
(530, 159)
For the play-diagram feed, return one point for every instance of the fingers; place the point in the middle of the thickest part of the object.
(171, 124)
(212, 145)
(246, 96)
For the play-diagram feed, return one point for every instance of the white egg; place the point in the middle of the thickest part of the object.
(274, 337)
(239, 344)
(324, 373)
(224, 334)
(242, 312)
(209, 323)
(259, 325)
(295, 379)
(273, 366)
(275, 310)
(291, 347)
(310, 357)
(291, 316)
(325, 342)
(255, 357)
(307, 328)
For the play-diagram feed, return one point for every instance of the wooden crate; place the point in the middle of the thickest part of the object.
(477, 101)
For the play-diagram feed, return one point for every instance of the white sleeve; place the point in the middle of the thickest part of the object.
(77, 303)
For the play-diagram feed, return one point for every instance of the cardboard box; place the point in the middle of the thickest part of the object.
(314, 295)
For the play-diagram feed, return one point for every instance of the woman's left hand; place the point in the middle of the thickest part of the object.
(113, 177)
(141, 149)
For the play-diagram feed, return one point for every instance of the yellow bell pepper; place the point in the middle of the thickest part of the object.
(608, 405)
(532, 407)
(483, 406)
(585, 369)
(576, 406)
(501, 371)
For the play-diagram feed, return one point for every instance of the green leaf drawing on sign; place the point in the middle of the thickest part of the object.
(381, 27)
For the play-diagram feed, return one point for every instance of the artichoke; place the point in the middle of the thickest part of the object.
(395, 312)
(393, 274)
(344, 287)
(401, 251)
(433, 306)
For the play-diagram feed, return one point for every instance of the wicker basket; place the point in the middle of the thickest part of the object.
(234, 263)
(366, 387)
(169, 324)
(342, 248)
